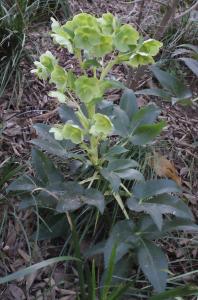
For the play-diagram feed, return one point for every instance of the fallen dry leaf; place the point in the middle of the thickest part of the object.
(16, 292)
(164, 168)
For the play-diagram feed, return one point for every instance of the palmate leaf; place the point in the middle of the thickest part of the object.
(146, 133)
(155, 187)
(23, 183)
(172, 84)
(154, 264)
(122, 234)
(145, 115)
(120, 121)
(128, 103)
(47, 142)
(118, 169)
(159, 205)
(72, 196)
(44, 168)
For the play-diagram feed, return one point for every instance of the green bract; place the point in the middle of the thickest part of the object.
(72, 132)
(60, 96)
(68, 132)
(84, 19)
(102, 125)
(61, 36)
(45, 66)
(103, 47)
(86, 37)
(88, 89)
(108, 23)
(125, 36)
(151, 47)
(58, 132)
(140, 58)
(59, 77)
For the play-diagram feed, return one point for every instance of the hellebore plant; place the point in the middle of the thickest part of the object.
(95, 139)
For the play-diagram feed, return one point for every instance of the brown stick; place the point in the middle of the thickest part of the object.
(168, 16)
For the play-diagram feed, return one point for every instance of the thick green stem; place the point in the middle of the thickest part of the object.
(94, 150)
(108, 68)
(79, 57)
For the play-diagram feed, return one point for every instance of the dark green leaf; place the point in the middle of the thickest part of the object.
(159, 205)
(54, 226)
(123, 233)
(121, 164)
(154, 264)
(179, 224)
(95, 198)
(120, 121)
(112, 178)
(44, 168)
(190, 46)
(192, 64)
(67, 113)
(47, 142)
(155, 187)
(105, 107)
(51, 147)
(171, 83)
(146, 133)
(130, 174)
(23, 183)
(147, 228)
(156, 214)
(144, 116)
(128, 103)
(94, 250)
(72, 196)
(114, 151)
(155, 92)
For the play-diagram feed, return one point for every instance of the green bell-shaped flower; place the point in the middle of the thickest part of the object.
(102, 125)
(125, 36)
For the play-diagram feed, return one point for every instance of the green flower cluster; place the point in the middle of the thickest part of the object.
(90, 39)
(100, 36)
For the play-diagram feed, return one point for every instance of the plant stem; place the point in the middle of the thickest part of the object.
(79, 57)
(121, 204)
(108, 67)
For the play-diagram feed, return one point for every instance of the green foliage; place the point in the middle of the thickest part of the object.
(191, 56)
(93, 141)
(173, 90)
